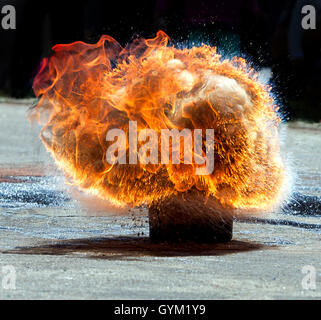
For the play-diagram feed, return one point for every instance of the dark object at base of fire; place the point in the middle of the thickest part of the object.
(189, 217)
(301, 204)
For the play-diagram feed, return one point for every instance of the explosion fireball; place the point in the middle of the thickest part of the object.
(85, 90)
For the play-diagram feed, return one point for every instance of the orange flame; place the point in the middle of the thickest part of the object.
(87, 89)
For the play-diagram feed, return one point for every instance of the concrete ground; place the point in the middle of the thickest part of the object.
(64, 245)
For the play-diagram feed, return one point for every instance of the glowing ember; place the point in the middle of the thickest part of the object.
(87, 89)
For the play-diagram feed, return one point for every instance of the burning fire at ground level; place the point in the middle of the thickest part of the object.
(86, 90)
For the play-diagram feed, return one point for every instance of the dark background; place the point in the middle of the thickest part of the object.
(263, 31)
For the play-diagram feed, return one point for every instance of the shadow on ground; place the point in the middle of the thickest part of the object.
(131, 248)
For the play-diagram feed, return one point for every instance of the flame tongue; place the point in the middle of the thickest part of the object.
(88, 89)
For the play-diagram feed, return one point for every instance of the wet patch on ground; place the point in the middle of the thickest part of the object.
(30, 191)
(301, 204)
(133, 247)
